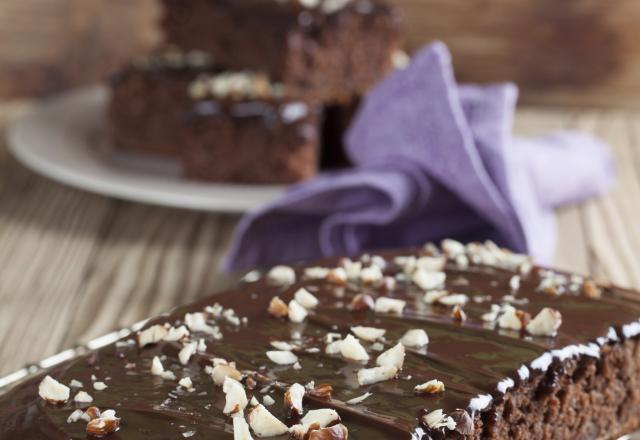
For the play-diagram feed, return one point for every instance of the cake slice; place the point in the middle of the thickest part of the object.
(454, 342)
(222, 126)
(328, 50)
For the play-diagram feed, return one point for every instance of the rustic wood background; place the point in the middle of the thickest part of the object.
(74, 265)
(569, 52)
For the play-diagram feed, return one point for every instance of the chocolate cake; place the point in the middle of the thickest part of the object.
(221, 125)
(454, 342)
(328, 50)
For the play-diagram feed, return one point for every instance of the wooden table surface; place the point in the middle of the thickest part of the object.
(74, 265)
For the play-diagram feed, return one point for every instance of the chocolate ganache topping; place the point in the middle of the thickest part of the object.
(408, 344)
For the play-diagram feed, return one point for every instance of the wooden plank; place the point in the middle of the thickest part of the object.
(581, 52)
(49, 45)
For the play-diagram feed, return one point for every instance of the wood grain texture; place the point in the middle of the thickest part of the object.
(576, 52)
(74, 266)
(49, 45)
(572, 52)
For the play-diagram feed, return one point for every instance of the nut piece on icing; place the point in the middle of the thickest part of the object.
(392, 357)
(151, 335)
(458, 314)
(156, 366)
(368, 376)
(428, 280)
(350, 348)
(83, 397)
(188, 350)
(337, 276)
(432, 387)
(362, 302)
(241, 429)
(433, 296)
(235, 396)
(454, 299)
(177, 334)
(322, 391)
(513, 319)
(293, 400)
(221, 372)
(282, 275)
(371, 275)
(305, 298)
(53, 391)
(278, 308)
(323, 417)
(438, 419)
(281, 357)
(452, 247)
(103, 426)
(265, 424)
(370, 334)
(297, 313)
(591, 289)
(416, 337)
(546, 323)
(335, 432)
(389, 305)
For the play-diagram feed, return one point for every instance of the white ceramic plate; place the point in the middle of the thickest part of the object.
(65, 139)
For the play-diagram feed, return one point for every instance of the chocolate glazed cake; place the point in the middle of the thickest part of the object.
(460, 342)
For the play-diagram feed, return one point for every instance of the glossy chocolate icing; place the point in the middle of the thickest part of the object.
(477, 362)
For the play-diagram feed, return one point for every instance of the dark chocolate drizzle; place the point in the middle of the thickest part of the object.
(478, 364)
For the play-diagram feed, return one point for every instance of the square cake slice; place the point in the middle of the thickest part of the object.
(457, 342)
(328, 50)
(222, 126)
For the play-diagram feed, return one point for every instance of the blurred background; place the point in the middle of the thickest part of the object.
(575, 52)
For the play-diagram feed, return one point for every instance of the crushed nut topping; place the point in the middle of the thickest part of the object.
(265, 424)
(431, 387)
(392, 357)
(428, 280)
(512, 318)
(546, 323)
(321, 391)
(221, 372)
(297, 313)
(368, 376)
(293, 400)
(370, 334)
(591, 289)
(103, 426)
(415, 338)
(438, 419)
(278, 308)
(458, 314)
(241, 429)
(305, 298)
(350, 348)
(53, 391)
(362, 302)
(235, 396)
(282, 357)
(83, 397)
(282, 275)
(323, 417)
(151, 335)
(389, 305)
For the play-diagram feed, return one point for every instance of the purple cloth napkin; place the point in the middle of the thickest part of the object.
(433, 159)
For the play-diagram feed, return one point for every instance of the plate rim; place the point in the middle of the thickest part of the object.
(194, 195)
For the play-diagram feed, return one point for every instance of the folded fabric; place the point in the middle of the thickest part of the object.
(432, 159)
